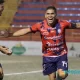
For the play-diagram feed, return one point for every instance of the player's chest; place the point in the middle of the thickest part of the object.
(51, 31)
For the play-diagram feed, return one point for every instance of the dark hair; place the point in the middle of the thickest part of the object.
(52, 7)
(1, 1)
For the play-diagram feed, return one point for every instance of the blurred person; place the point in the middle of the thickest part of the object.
(3, 49)
(54, 47)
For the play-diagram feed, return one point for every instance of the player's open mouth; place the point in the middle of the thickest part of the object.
(50, 19)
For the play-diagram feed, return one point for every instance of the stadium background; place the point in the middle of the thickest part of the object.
(19, 14)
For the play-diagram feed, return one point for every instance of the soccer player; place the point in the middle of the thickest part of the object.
(54, 47)
(3, 49)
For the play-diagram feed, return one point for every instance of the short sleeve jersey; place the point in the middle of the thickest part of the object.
(53, 38)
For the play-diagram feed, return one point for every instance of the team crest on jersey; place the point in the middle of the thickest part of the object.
(59, 30)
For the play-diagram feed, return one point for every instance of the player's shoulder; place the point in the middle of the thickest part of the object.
(64, 21)
(42, 22)
(39, 23)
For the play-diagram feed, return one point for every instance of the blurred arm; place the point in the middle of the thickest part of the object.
(21, 32)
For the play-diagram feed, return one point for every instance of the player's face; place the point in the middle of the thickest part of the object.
(50, 16)
(1, 8)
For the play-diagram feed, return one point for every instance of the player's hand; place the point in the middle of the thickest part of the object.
(5, 50)
(4, 33)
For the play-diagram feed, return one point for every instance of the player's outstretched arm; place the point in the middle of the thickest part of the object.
(21, 32)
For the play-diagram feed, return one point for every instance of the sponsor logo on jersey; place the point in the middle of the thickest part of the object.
(54, 37)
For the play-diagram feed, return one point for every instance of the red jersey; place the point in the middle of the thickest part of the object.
(53, 38)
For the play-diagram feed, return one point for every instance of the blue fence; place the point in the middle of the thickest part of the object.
(27, 20)
(68, 8)
(35, 3)
(69, 3)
